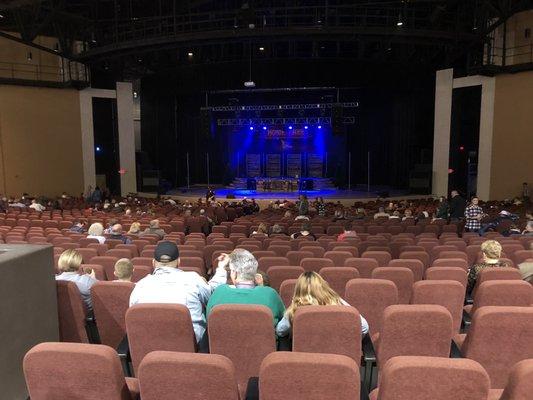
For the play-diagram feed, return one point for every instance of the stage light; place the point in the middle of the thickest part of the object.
(264, 128)
(319, 126)
(98, 148)
(190, 54)
(306, 127)
(400, 21)
(290, 127)
(461, 148)
(451, 170)
(261, 49)
(251, 128)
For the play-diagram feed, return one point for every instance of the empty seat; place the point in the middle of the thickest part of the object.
(498, 338)
(452, 254)
(165, 375)
(226, 324)
(416, 255)
(449, 294)
(447, 273)
(286, 291)
(266, 262)
(451, 262)
(416, 266)
(492, 274)
(502, 293)
(520, 383)
(173, 325)
(66, 371)
(110, 303)
(421, 378)
(308, 376)
(371, 297)
(71, 313)
(338, 332)
(278, 274)
(279, 250)
(296, 257)
(403, 278)
(365, 266)
(108, 263)
(382, 257)
(337, 278)
(316, 264)
(316, 251)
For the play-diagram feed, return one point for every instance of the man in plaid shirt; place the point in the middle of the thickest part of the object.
(473, 214)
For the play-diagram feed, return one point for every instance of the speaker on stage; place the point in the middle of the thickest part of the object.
(205, 123)
(337, 117)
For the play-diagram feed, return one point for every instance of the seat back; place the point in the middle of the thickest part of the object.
(338, 332)
(165, 375)
(447, 273)
(244, 334)
(498, 338)
(173, 325)
(278, 274)
(382, 257)
(416, 266)
(108, 263)
(520, 383)
(266, 262)
(66, 371)
(415, 330)
(434, 378)
(308, 376)
(503, 293)
(451, 262)
(110, 303)
(371, 297)
(402, 277)
(449, 294)
(286, 291)
(71, 313)
(338, 257)
(337, 278)
(365, 266)
(315, 264)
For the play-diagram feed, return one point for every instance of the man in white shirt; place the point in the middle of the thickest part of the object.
(169, 284)
(36, 206)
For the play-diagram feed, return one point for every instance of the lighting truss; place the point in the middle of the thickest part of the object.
(273, 107)
(280, 121)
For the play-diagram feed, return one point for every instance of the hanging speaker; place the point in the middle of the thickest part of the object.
(205, 123)
(337, 125)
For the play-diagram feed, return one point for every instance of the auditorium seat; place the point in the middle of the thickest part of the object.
(295, 257)
(279, 250)
(451, 262)
(338, 257)
(337, 278)
(371, 297)
(308, 376)
(515, 293)
(519, 385)
(490, 274)
(316, 264)
(108, 263)
(327, 329)
(87, 254)
(365, 266)
(100, 248)
(142, 261)
(132, 247)
(452, 254)
(110, 303)
(316, 251)
(498, 338)
(165, 375)
(99, 271)
(414, 330)
(447, 293)
(244, 334)
(447, 273)
(140, 271)
(416, 266)
(278, 274)
(402, 277)
(286, 291)
(72, 313)
(66, 371)
(266, 262)
(435, 378)
(152, 327)
(521, 256)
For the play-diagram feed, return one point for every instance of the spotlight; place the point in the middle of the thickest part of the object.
(98, 148)
(264, 128)
(319, 126)
(190, 54)
(135, 95)
(251, 128)
(400, 21)
(306, 127)
(290, 127)
(261, 48)
(30, 56)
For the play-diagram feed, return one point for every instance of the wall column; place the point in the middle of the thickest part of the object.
(126, 138)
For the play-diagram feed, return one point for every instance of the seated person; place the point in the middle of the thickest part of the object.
(135, 228)
(491, 251)
(261, 278)
(96, 231)
(529, 229)
(261, 229)
(304, 232)
(123, 270)
(278, 230)
(348, 233)
(69, 264)
(170, 285)
(526, 270)
(78, 227)
(312, 290)
(243, 270)
(381, 213)
(116, 233)
(154, 229)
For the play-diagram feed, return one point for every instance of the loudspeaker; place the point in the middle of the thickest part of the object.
(337, 125)
(205, 123)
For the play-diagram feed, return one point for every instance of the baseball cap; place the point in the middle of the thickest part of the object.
(166, 252)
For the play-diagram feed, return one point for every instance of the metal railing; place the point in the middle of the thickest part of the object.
(517, 55)
(65, 72)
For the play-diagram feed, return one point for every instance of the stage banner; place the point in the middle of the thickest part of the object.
(253, 165)
(294, 165)
(314, 165)
(273, 165)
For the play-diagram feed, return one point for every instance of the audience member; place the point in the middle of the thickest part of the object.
(35, 205)
(348, 232)
(96, 231)
(278, 230)
(457, 206)
(381, 213)
(123, 270)
(261, 278)
(135, 228)
(69, 264)
(261, 229)
(154, 229)
(116, 233)
(303, 205)
(526, 270)
(312, 289)
(473, 214)
(304, 232)
(525, 193)
(78, 227)
(529, 229)
(443, 208)
(169, 284)
(491, 251)
(320, 207)
(243, 273)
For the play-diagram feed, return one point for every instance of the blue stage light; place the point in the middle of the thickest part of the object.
(251, 128)
(98, 148)
(290, 127)
(319, 126)
(306, 127)
(264, 128)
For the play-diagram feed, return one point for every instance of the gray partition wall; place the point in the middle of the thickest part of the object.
(28, 310)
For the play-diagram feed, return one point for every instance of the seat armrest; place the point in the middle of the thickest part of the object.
(369, 353)
(455, 352)
(123, 348)
(467, 319)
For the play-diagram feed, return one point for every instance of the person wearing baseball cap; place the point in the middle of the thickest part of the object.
(171, 285)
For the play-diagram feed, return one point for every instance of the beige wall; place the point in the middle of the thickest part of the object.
(512, 151)
(40, 141)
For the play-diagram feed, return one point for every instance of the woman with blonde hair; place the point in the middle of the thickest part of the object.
(262, 228)
(135, 228)
(491, 251)
(311, 290)
(69, 264)
(96, 231)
